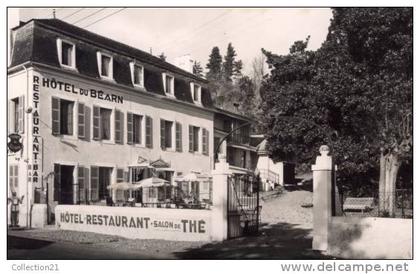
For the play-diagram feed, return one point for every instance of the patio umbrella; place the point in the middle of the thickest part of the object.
(121, 186)
(194, 177)
(152, 182)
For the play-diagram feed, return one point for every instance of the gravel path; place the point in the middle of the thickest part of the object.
(287, 209)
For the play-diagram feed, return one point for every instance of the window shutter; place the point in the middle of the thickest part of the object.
(11, 119)
(191, 138)
(94, 183)
(178, 137)
(87, 185)
(82, 183)
(118, 127)
(55, 111)
(126, 176)
(16, 181)
(120, 175)
(205, 142)
(149, 132)
(11, 178)
(129, 128)
(162, 134)
(21, 113)
(70, 118)
(81, 120)
(57, 182)
(96, 123)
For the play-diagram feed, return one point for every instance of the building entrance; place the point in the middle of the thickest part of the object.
(66, 193)
(63, 184)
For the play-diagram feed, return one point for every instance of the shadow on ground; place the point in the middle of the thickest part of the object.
(276, 241)
(25, 243)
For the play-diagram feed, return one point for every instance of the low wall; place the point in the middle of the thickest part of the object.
(370, 238)
(139, 223)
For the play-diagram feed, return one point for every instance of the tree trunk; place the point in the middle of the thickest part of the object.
(382, 196)
(392, 164)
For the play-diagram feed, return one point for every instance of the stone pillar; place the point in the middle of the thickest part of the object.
(219, 225)
(322, 204)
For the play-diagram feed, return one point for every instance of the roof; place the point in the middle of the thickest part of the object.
(110, 44)
(233, 114)
(35, 42)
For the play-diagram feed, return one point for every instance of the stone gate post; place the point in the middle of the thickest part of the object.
(322, 198)
(219, 220)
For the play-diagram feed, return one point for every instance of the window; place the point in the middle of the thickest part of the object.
(100, 179)
(196, 93)
(105, 123)
(137, 75)
(16, 114)
(66, 117)
(62, 116)
(166, 134)
(137, 129)
(101, 123)
(168, 84)
(194, 139)
(66, 53)
(14, 177)
(105, 65)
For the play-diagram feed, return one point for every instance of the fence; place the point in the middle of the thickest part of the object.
(398, 204)
(186, 194)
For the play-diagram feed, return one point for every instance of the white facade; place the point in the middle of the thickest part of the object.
(43, 149)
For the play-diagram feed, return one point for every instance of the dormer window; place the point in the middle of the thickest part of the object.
(66, 53)
(196, 93)
(137, 74)
(105, 65)
(168, 84)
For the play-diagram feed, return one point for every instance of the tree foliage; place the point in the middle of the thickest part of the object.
(354, 93)
(214, 66)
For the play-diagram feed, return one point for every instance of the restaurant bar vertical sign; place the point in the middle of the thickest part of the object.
(35, 167)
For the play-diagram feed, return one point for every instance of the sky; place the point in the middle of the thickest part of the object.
(195, 31)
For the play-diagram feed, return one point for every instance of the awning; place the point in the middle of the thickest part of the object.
(152, 182)
(193, 177)
(121, 186)
(165, 169)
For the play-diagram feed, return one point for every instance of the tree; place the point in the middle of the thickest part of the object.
(214, 65)
(355, 93)
(197, 69)
(228, 63)
(237, 70)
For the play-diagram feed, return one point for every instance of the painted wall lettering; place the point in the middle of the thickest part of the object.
(185, 226)
(89, 92)
(36, 144)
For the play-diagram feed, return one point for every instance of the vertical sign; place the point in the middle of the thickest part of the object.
(36, 138)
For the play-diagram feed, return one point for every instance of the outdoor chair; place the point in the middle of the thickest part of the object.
(109, 201)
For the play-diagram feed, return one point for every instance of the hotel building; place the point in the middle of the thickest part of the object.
(92, 112)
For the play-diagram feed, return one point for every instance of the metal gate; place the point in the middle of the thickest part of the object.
(243, 205)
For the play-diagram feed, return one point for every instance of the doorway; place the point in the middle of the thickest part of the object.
(66, 185)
